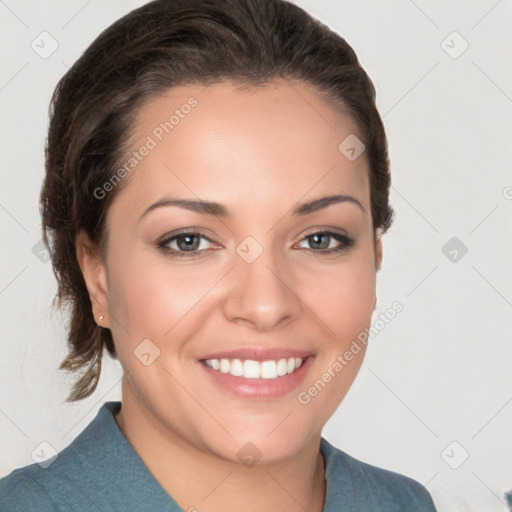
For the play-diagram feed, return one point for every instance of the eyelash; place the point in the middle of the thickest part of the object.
(346, 243)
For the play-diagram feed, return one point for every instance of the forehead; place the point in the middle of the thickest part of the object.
(250, 146)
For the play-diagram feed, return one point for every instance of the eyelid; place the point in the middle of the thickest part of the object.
(185, 231)
(325, 229)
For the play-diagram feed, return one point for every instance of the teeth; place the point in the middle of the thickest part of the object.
(268, 370)
(236, 368)
(250, 369)
(282, 367)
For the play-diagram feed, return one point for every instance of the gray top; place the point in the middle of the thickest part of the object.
(100, 471)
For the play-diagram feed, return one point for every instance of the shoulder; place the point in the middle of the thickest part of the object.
(63, 482)
(21, 491)
(58, 486)
(369, 487)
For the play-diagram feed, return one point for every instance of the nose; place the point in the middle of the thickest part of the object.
(261, 295)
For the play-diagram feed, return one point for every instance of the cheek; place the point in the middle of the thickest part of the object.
(351, 305)
(149, 295)
(342, 297)
(343, 301)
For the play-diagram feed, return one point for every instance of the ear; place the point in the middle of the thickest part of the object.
(378, 249)
(95, 276)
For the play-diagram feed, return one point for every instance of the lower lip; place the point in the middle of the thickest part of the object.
(263, 389)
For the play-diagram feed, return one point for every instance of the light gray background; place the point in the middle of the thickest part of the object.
(440, 371)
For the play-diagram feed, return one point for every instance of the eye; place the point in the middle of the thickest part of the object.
(327, 242)
(192, 244)
(185, 244)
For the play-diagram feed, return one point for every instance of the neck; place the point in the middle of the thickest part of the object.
(201, 481)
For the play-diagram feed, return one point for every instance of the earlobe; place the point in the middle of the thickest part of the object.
(95, 277)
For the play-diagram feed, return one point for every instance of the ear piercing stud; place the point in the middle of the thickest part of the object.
(101, 317)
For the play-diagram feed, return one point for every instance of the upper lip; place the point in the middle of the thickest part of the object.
(258, 354)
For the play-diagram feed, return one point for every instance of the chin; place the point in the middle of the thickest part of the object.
(252, 445)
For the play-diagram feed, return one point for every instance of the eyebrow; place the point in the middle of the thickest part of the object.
(219, 210)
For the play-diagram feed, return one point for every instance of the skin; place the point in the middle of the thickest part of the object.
(258, 151)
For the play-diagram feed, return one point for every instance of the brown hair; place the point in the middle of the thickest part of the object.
(162, 44)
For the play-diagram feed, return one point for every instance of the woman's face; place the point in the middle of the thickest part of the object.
(227, 267)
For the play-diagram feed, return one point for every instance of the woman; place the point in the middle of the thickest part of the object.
(216, 190)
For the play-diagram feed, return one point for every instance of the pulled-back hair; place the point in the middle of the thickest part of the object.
(163, 44)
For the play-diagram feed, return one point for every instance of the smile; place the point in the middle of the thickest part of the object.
(250, 369)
